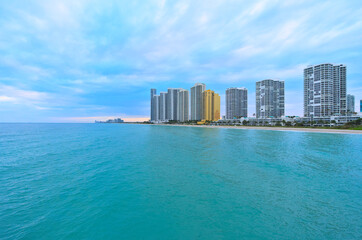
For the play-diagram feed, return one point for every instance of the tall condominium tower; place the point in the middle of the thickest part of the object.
(183, 105)
(325, 90)
(153, 93)
(236, 103)
(350, 103)
(269, 98)
(360, 105)
(156, 107)
(211, 106)
(163, 106)
(196, 101)
(172, 103)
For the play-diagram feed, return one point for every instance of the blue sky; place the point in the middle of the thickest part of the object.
(78, 61)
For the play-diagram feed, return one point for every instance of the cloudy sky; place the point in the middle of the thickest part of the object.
(77, 61)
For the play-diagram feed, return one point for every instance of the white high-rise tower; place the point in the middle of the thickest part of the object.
(269, 98)
(325, 90)
(172, 103)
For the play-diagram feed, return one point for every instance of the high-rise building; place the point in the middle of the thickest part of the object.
(153, 93)
(196, 101)
(156, 107)
(183, 105)
(172, 103)
(163, 106)
(360, 105)
(236, 103)
(325, 90)
(269, 98)
(211, 106)
(350, 103)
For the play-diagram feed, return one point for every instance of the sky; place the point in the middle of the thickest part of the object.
(85, 60)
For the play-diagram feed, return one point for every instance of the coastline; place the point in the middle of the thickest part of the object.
(291, 129)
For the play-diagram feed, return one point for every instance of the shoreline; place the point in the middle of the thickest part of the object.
(291, 129)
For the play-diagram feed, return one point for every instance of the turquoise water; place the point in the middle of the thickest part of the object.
(114, 181)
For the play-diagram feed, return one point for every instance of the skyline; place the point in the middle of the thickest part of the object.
(79, 62)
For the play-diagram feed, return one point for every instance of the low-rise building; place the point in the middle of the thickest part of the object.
(290, 121)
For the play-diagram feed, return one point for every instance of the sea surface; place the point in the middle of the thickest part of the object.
(123, 181)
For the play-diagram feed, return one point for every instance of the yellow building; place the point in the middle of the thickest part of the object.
(211, 106)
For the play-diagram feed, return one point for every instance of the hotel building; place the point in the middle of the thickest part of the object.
(236, 103)
(270, 98)
(211, 106)
(325, 90)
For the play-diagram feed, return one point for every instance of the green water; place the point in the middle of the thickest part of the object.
(114, 181)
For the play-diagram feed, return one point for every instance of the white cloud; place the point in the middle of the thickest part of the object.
(7, 99)
(35, 99)
(247, 51)
(33, 72)
(23, 96)
(76, 48)
(264, 72)
(258, 8)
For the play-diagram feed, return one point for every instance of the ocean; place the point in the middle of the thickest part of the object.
(124, 181)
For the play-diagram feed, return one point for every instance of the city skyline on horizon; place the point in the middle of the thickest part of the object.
(84, 61)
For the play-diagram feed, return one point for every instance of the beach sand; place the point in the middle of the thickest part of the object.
(315, 130)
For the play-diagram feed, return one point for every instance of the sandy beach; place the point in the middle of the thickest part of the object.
(314, 130)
